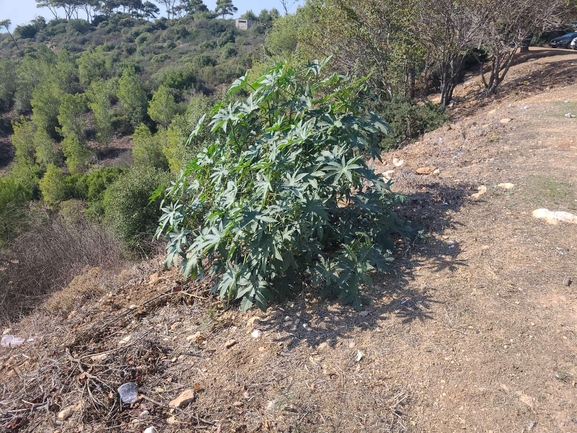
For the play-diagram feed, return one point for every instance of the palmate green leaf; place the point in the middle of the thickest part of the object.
(196, 130)
(156, 194)
(238, 84)
(342, 168)
(172, 217)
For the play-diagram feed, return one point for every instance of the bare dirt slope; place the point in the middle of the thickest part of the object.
(475, 330)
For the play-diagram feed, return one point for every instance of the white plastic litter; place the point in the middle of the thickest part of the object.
(128, 392)
(12, 341)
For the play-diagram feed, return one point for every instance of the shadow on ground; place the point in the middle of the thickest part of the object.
(316, 321)
(547, 76)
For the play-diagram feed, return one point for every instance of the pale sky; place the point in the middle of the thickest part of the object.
(22, 11)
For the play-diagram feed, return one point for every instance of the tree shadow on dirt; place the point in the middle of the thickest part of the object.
(556, 73)
(393, 299)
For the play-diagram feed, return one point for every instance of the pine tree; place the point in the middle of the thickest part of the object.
(163, 107)
(99, 94)
(77, 155)
(72, 108)
(225, 7)
(132, 97)
(53, 185)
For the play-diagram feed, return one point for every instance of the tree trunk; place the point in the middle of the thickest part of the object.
(410, 77)
(525, 43)
(13, 40)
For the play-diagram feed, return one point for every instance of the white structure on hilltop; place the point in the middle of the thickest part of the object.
(244, 24)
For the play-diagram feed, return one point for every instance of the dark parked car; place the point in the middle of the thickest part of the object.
(562, 41)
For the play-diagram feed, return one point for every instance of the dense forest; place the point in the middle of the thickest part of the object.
(98, 104)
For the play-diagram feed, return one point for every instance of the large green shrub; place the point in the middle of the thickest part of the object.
(283, 197)
(128, 210)
(147, 150)
(98, 180)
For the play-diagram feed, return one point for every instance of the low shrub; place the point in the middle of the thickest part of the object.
(410, 120)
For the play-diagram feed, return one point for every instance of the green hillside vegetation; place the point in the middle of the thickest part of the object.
(71, 88)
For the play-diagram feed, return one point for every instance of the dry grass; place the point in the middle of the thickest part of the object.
(83, 287)
(47, 257)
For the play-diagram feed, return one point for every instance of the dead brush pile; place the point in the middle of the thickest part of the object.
(293, 369)
(77, 364)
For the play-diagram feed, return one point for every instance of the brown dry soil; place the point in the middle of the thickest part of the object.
(475, 330)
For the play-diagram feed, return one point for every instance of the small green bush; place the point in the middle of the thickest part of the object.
(170, 45)
(228, 51)
(179, 77)
(26, 31)
(79, 26)
(53, 185)
(143, 38)
(282, 198)
(76, 187)
(180, 32)
(207, 45)
(204, 60)
(128, 211)
(99, 180)
(227, 37)
(410, 120)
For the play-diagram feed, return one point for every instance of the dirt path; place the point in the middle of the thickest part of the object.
(476, 330)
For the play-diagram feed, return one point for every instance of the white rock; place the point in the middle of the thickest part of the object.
(482, 190)
(270, 406)
(256, 334)
(151, 429)
(128, 392)
(388, 175)
(125, 340)
(554, 218)
(66, 413)
(398, 162)
(506, 185)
